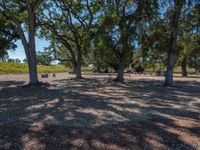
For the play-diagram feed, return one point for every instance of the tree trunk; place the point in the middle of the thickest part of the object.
(78, 64)
(33, 77)
(29, 46)
(73, 66)
(120, 71)
(184, 66)
(170, 69)
(197, 67)
(78, 70)
(32, 65)
(173, 47)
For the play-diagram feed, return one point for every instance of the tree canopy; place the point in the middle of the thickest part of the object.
(111, 35)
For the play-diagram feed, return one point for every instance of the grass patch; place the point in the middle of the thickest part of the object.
(10, 67)
(17, 68)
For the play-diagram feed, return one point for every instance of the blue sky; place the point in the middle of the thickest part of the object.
(19, 51)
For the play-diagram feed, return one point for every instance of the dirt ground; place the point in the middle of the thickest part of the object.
(96, 113)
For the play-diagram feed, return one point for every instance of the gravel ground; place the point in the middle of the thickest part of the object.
(96, 113)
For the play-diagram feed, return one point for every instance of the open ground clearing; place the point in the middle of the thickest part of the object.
(96, 113)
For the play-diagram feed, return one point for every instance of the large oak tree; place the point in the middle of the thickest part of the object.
(22, 14)
(68, 23)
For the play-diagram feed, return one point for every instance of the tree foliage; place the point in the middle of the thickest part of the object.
(110, 35)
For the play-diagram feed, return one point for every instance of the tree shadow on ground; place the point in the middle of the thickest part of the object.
(90, 114)
(7, 84)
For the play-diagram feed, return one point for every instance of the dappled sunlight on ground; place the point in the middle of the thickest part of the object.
(96, 113)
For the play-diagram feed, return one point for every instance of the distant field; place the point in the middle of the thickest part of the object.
(9, 67)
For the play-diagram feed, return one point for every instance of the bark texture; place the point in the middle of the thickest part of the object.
(120, 72)
(178, 4)
(32, 65)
